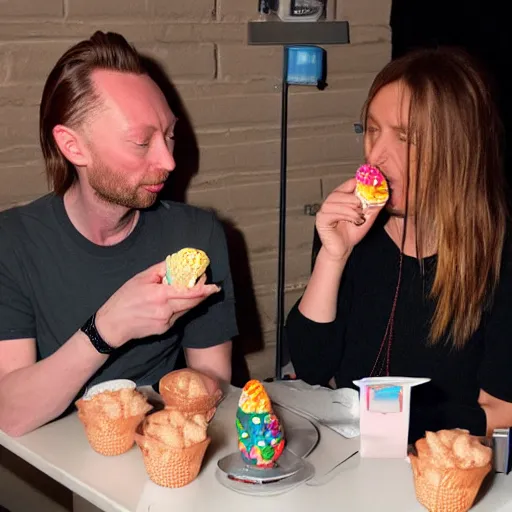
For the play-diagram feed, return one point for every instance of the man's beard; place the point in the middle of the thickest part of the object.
(111, 186)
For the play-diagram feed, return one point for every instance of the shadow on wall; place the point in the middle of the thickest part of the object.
(186, 153)
(250, 338)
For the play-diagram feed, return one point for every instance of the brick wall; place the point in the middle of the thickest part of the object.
(231, 92)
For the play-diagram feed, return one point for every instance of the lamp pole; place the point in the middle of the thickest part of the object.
(282, 217)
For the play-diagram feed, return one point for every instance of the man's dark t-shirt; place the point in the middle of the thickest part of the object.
(52, 279)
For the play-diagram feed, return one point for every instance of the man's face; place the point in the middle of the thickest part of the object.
(130, 140)
(387, 144)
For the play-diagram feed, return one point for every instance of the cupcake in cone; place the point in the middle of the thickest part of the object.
(190, 392)
(173, 446)
(111, 414)
(185, 267)
(449, 469)
(371, 186)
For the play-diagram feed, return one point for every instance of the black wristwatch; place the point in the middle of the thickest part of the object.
(89, 329)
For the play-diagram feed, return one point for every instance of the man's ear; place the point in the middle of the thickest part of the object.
(71, 145)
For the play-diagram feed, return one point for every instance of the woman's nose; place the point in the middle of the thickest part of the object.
(376, 152)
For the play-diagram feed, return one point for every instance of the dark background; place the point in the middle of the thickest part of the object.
(480, 27)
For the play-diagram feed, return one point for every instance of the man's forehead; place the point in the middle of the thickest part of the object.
(137, 98)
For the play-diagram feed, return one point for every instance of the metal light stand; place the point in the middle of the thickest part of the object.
(272, 33)
(282, 217)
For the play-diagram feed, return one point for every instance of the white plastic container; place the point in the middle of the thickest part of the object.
(300, 10)
(384, 411)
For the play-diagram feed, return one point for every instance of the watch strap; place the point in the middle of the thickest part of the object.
(90, 330)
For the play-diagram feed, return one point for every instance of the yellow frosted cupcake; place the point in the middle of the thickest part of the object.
(371, 186)
(185, 267)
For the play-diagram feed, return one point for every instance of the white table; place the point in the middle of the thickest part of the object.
(120, 484)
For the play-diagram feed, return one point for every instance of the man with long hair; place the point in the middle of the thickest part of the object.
(82, 297)
(422, 287)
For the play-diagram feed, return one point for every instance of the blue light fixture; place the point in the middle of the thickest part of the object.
(306, 65)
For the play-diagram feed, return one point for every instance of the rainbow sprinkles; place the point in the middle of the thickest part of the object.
(371, 186)
(260, 434)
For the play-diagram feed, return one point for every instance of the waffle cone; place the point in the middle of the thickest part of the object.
(446, 490)
(176, 398)
(171, 467)
(109, 436)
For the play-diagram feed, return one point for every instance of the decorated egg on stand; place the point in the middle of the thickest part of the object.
(260, 433)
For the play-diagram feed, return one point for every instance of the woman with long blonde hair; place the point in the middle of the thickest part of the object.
(423, 286)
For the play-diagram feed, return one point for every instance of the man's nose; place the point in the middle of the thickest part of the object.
(168, 163)
(164, 157)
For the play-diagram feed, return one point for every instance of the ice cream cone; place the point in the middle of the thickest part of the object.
(171, 467)
(110, 437)
(111, 414)
(190, 392)
(448, 489)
